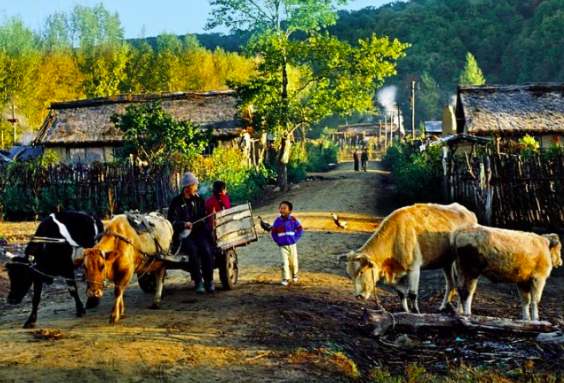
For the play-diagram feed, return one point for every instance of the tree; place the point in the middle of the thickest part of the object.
(428, 98)
(103, 54)
(153, 135)
(303, 74)
(472, 74)
(56, 35)
(20, 55)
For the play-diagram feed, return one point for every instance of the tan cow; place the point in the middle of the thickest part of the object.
(410, 239)
(122, 252)
(510, 256)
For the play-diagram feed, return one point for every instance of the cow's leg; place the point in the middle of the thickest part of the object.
(73, 291)
(413, 281)
(118, 309)
(402, 289)
(466, 287)
(37, 288)
(450, 287)
(536, 294)
(159, 275)
(525, 292)
(467, 294)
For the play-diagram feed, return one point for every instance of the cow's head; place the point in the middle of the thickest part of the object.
(555, 248)
(95, 270)
(363, 272)
(21, 279)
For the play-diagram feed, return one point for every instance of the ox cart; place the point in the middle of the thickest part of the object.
(234, 228)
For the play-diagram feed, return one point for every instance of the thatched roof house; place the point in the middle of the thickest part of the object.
(82, 130)
(512, 110)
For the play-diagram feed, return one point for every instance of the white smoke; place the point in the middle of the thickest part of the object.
(27, 138)
(387, 98)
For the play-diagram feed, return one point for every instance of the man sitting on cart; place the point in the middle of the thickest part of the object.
(187, 214)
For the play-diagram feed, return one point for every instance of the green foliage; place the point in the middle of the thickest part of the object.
(472, 74)
(301, 80)
(153, 135)
(417, 175)
(298, 164)
(244, 182)
(320, 154)
(428, 104)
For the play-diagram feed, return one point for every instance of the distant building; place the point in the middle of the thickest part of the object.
(433, 128)
(511, 111)
(82, 130)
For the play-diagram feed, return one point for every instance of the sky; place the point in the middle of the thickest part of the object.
(138, 17)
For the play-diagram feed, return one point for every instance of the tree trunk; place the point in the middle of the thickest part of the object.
(283, 156)
(283, 159)
(381, 321)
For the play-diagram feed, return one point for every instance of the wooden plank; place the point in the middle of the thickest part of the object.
(239, 241)
(233, 217)
(234, 226)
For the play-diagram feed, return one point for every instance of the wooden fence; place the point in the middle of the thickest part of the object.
(509, 190)
(28, 191)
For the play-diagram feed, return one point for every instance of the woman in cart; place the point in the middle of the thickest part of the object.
(218, 201)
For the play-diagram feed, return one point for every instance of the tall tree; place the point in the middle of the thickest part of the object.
(56, 34)
(18, 47)
(102, 53)
(472, 74)
(428, 98)
(303, 74)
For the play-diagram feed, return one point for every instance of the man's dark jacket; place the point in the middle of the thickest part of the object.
(184, 210)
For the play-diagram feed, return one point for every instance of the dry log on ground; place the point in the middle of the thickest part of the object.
(382, 321)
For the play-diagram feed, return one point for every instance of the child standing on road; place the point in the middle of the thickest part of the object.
(286, 232)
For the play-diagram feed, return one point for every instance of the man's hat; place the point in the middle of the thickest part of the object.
(189, 179)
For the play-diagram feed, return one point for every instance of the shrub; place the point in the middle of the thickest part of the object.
(417, 175)
(244, 182)
(320, 154)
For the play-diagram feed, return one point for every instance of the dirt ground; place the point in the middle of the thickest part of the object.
(262, 331)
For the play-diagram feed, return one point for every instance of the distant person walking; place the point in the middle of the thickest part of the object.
(356, 159)
(364, 159)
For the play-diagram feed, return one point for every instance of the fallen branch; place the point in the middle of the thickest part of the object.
(382, 321)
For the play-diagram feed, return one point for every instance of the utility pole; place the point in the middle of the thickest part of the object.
(13, 121)
(399, 122)
(385, 132)
(413, 108)
(391, 129)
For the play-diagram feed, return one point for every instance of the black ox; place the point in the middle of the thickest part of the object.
(50, 254)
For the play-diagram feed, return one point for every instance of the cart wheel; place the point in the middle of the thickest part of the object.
(229, 270)
(147, 282)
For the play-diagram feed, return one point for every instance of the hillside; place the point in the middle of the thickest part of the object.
(514, 41)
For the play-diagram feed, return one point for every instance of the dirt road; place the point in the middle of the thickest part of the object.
(260, 331)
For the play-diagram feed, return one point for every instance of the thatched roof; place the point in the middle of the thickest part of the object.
(511, 109)
(88, 122)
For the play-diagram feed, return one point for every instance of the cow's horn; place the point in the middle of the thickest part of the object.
(344, 257)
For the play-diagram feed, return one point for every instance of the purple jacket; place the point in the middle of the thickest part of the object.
(286, 231)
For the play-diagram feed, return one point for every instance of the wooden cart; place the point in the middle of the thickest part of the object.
(234, 228)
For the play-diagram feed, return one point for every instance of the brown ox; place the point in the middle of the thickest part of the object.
(509, 256)
(411, 238)
(122, 252)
